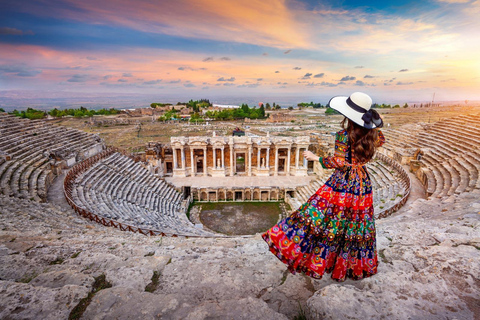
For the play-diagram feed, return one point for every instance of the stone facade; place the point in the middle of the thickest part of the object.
(221, 156)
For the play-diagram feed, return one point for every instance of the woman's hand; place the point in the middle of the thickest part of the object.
(310, 156)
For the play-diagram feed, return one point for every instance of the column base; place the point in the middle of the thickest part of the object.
(179, 173)
(220, 172)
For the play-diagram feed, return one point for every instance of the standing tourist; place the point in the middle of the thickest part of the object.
(334, 231)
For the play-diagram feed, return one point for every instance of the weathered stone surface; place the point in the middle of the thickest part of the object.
(429, 269)
(24, 301)
(126, 303)
(58, 279)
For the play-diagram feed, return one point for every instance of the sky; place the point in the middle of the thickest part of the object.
(394, 50)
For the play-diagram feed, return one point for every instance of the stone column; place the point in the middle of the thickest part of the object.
(205, 162)
(223, 158)
(231, 159)
(288, 161)
(297, 151)
(250, 160)
(183, 157)
(214, 157)
(267, 162)
(192, 162)
(258, 157)
(174, 158)
(304, 161)
(276, 161)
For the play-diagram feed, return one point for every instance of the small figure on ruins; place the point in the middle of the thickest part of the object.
(218, 163)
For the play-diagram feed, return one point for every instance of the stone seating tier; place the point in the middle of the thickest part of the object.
(28, 144)
(120, 189)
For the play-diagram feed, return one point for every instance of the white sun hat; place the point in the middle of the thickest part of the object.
(358, 108)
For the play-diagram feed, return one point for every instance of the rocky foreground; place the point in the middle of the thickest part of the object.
(56, 265)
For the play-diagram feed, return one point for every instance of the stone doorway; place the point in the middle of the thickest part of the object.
(240, 162)
(281, 165)
(199, 165)
(169, 167)
(238, 196)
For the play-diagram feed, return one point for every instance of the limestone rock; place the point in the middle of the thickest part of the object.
(24, 301)
(126, 303)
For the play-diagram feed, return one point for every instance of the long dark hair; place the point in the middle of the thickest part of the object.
(363, 141)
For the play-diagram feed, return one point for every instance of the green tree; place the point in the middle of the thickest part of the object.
(261, 112)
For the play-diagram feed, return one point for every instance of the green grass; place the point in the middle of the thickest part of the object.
(301, 314)
(75, 254)
(152, 286)
(99, 284)
(28, 277)
(56, 261)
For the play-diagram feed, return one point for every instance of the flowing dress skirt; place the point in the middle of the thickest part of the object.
(334, 231)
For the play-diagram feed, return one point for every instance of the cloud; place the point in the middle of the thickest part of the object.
(127, 74)
(327, 84)
(190, 68)
(265, 54)
(307, 76)
(454, 1)
(277, 71)
(319, 75)
(229, 84)
(205, 88)
(287, 52)
(403, 70)
(225, 59)
(251, 85)
(297, 68)
(19, 70)
(188, 85)
(229, 79)
(79, 78)
(359, 83)
(368, 77)
(175, 81)
(400, 83)
(122, 80)
(232, 21)
(152, 82)
(359, 67)
(92, 59)
(6, 31)
(108, 76)
(260, 79)
(347, 78)
(208, 59)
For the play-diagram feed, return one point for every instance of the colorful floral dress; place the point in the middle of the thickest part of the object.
(334, 231)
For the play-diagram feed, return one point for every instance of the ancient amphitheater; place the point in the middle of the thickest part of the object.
(87, 232)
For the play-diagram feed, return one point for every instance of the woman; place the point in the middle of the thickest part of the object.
(334, 231)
